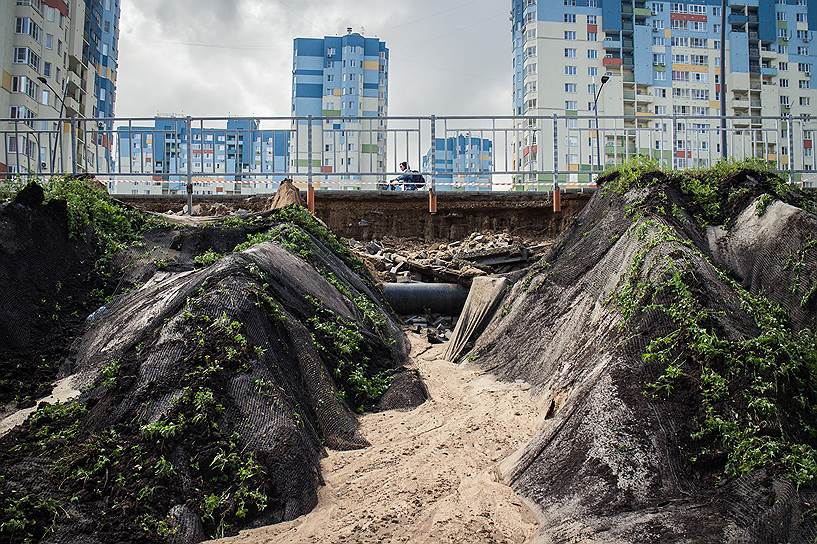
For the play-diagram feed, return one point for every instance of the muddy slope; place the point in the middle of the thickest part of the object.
(208, 392)
(669, 328)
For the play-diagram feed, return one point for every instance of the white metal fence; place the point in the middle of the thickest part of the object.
(170, 155)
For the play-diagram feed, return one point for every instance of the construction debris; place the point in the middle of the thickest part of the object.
(461, 261)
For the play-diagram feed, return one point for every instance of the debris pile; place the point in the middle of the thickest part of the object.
(673, 329)
(459, 261)
(436, 328)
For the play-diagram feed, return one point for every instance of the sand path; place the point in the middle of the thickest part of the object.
(433, 474)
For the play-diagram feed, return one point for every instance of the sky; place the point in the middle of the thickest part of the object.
(234, 57)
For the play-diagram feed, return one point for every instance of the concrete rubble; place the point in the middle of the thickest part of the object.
(480, 254)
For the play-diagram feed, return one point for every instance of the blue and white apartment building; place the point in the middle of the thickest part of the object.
(462, 163)
(345, 80)
(225, 160)
(663, 59)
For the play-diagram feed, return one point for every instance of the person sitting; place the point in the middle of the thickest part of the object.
(409, 180)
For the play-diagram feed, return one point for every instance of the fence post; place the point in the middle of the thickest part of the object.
(432, 190)
(310, 189)
(557, 191)
(74, 145)
(189, 131)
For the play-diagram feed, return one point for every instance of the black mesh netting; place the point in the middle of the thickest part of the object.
(207, 399)
(614, 461)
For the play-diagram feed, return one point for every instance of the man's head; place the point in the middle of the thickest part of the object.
(403, 166)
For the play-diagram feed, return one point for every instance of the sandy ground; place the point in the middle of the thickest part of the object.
(63, 391)
(433, 474)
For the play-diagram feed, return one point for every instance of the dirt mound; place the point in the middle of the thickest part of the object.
(209, 391)
(669, 326)
(286, 195)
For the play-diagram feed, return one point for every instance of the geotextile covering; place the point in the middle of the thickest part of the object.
(670, 328)
(208, 396)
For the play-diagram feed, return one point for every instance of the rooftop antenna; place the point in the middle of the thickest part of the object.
(362, 30)
(348, 29)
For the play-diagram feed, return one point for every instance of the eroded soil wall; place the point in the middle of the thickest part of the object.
(366, 216)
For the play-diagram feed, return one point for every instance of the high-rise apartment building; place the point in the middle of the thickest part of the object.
(663, 58)
(239, 158)
(463, 163)
(52, 66)
(344, 79)
(101, 51)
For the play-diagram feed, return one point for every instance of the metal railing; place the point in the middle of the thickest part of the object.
(223, 155)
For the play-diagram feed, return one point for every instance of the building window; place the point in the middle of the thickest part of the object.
(24, 25)
(570, 70)
(592, 54)
(570, 53)
(570, 17)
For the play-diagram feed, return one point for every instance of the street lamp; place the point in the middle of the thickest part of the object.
(604, 79)
(44, 81)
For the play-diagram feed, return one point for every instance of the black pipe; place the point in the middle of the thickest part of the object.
(419, 298)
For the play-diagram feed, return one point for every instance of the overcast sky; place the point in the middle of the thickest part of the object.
(234, 57)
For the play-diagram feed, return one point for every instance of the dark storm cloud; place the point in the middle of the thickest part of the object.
(234, 57)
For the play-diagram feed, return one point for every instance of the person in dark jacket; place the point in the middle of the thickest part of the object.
(409, 180)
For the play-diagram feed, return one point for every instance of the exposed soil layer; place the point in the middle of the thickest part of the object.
(433, 474)
(668, 328)
(368, 215)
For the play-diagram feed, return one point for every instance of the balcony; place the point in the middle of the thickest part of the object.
(642, 12)
(609, 43)
(738, 19)
(72, 107)
(768, 71)
(73, 81)
(611, 61)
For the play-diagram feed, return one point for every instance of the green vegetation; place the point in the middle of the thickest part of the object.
(709, 192)
(110, 373)
(756, 393)
(127, 468)
(762, 203)
(342, 346)
(289, 236)
(26, 518)
(301, 217)
(92, 215)
(207, 258)
(90, 210)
